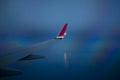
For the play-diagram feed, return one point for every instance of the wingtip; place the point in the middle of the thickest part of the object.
(62, 32)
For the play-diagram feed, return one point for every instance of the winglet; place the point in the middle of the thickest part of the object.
(62, 32)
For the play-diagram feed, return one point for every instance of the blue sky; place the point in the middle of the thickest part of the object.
(54, 13)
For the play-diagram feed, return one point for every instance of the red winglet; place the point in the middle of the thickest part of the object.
(62, 32)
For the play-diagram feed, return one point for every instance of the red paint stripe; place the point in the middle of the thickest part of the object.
(63, 30)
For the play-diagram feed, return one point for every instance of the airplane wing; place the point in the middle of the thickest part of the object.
(41, 45)
(27, 53)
